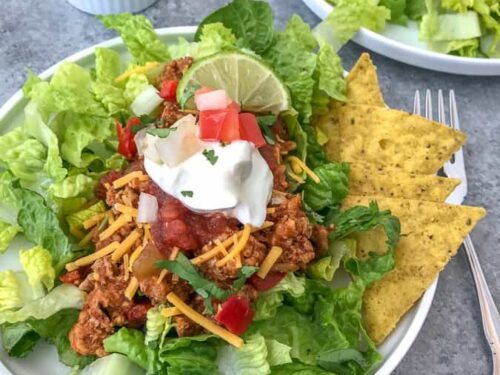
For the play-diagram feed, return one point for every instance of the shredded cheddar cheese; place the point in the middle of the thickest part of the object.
(204, 322)
(147, 234)
(126, 245)
(299, 164)
(132, 287)
(295, 177)
(120, 222)
(271, 210)
(221, 247)
(137, 70)
(131, 211)
(94, 220)
(162, 275)
(174, 253)
(137, 252)
(89, 259)
(170, 311)
(238, 248)
(122, 181)
(238, 261)
(269, 261)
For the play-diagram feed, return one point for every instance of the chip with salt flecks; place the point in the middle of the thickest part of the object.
(431, 234)
(362, 83)
(365, 179)
(388, 138)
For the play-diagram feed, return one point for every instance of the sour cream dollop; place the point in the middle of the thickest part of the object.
(232, 178)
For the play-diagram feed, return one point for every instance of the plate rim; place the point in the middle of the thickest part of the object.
(459, 64)
(421, 308)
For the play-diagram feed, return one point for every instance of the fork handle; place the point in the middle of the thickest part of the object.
(489, 312)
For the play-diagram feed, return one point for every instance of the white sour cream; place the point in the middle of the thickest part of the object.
(238, 183)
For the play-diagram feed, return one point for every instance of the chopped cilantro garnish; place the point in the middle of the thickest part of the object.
(161, 132)
(187, 95)
(266, 123)
(145, 120)
(210, 155)
(187, 193)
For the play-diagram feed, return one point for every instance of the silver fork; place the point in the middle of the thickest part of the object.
(455, 168)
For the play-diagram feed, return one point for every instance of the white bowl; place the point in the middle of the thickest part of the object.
(111, 6)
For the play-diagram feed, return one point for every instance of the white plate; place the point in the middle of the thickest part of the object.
(44, 359)
(401, 43)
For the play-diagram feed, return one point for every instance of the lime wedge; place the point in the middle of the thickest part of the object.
(246, 80)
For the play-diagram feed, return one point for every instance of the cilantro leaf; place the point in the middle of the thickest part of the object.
(145, 120)
(210, 155)
(161, 132)
(187, 95)
(265, 124)
(187, 193)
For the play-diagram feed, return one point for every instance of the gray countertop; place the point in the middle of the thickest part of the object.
(37, 34)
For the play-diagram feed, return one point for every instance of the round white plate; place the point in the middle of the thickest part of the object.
(44, 358)
(401, 43)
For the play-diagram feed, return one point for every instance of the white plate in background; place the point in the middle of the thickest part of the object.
(401, 43)
(44, 359)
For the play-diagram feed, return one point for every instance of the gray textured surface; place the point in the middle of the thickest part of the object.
(38, 34)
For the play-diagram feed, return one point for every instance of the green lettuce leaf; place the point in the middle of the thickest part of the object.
(37, 263)
(41, 226)
(250, 21)
(73, 186)
(9, 205)
(300, 31)
(277, 353)
(79, 217)
(297, 368)
(157, 326)
(15, 290)
(330, 73)
(196, 358)
(457, 5)
(349, 16)
(332, 188)
(64, 296)
(130, 342)
(18, 339)
(139, 36)
(294, 64)
(107, 65)
(398, 9)
(111, 364)
(7, 234)
(324, 268)
(214, 38)
(251, 359)
(134, 86)
(415, 9)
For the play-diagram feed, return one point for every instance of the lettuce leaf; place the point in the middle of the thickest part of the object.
(277, 353)
(18, 339)
(64, 296)
(330, 73)
(15, 290)
(111, 364)
(134, 86)
(139, 36)
(107, 65)
(324, 268)
(457, 5)
(250, 21)
(41, 226)
(7, 234)
(251, 359)
(294, 63)
(297, 368)
(332, 188)
(398, 9)
(157, 327)
(415, 9)
(79, 217)
(37, 263)
(349, 16)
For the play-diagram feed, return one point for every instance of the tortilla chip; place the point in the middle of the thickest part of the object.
(364, 179)
(362, 83)
(389, 138)
(431, 233)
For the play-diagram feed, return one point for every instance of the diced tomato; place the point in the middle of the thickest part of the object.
(249, 129)
(220, 125)
(233, 106)
(236, 314)
(271, 280)
(231, 127)
(126, 142)
(169, 90)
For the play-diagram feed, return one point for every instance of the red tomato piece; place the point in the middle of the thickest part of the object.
(250, 130)
(231, 127)
(126, 142)
(211, 124)
(168, 90)
(236, 314)
(270, 281)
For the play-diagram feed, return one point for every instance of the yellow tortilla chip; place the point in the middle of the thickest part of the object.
(388, 138)
(362, 83)
(431, 233)
(365, 179)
